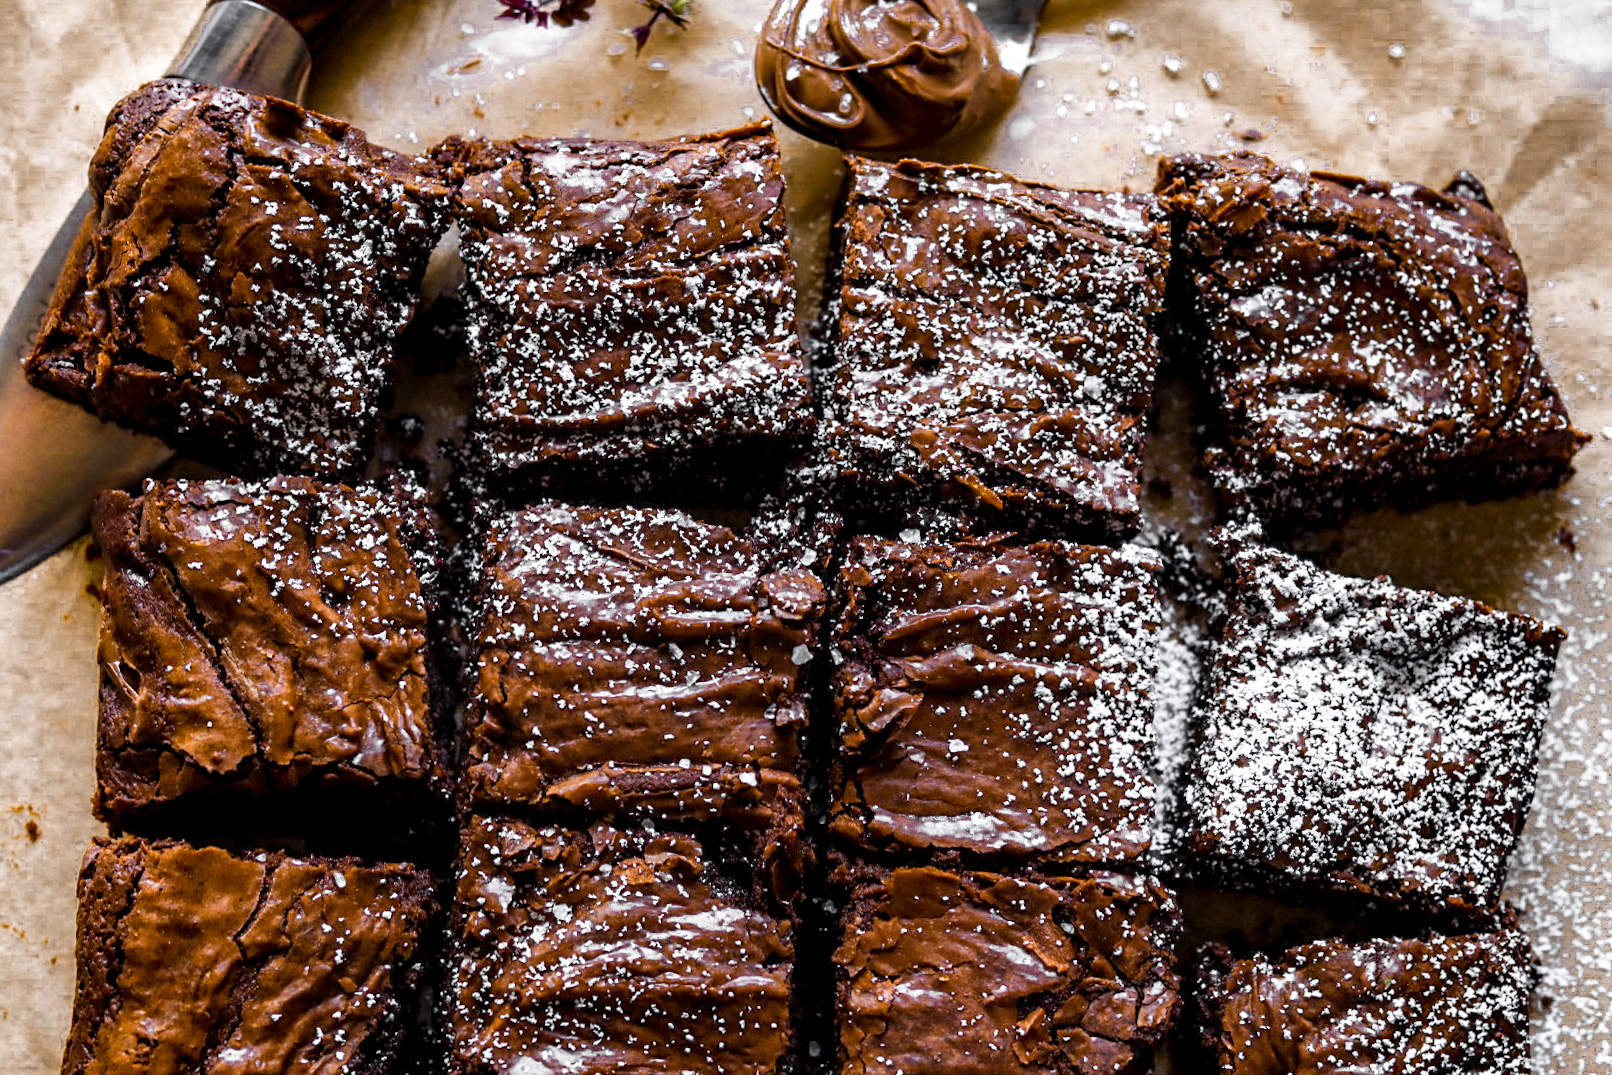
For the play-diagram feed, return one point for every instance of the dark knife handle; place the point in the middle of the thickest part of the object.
(247, 46)
(312, 18)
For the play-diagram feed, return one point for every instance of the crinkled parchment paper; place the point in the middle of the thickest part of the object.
(1515, 90)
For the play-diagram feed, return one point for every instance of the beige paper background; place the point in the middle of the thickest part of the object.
(1515, 90)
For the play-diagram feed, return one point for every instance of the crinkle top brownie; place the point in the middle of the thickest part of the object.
(993, 343)
(655, 938)
(947, 973)
(632, 308)
(1425, 1006)
(193, 959)
(242, 279)
(996, 700)
(1363, 341)
(1357, 737)
(630, 641)
(258, 637)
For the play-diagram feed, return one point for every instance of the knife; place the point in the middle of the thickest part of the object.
(54, 456)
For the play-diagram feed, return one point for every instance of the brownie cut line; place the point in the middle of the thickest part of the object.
(995, 700)
(263, 644)
(960, 973)
(654, 935)
(198, 960)
(1356, 738)
(631, 312)
(242, 280)
(992, 347)
(1363, 342)
(630, 644)
(1434, 1005)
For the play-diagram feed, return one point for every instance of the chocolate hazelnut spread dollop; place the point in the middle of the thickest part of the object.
(880, 74)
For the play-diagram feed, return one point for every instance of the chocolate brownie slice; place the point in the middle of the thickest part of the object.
(1363, 342)
(1425, 1006)
(263, 643)
(630, 644)
(992, 345)
(1355, 737)
(194, 959)
(657, 937)
(631, 312)
(241, 281)
(995, 700)
(945, 973)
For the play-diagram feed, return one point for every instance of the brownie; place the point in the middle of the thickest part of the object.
(241, 281)
(194, 959)
(1358, 738)
(995, 700)
(631, 313)
(1437, 1005)
(654, 937)
(630, 644)
(1363, 342)
(948, 973)
(992, 346)
(263, 643)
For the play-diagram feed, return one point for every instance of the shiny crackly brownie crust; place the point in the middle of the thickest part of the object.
(195, 959)
(1363, 342)
(992, 346)
(241, 281)
(631, 311)
(1358, 739)
(265, 643)
(630, 643)
(944, 972)
(995, 700)
(654, 933)
(1434, 1005)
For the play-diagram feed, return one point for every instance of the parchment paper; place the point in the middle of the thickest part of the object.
(1516, 91)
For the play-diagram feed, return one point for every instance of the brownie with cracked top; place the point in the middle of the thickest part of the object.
(198, 960)
(1352, 737)
(242, 280)
(995, 700)
(993, 346)
(958, 973)
(631, 312)
(264, 639)
(1434, 1005)
(1363, 342)
(655, 934)
(630, 645)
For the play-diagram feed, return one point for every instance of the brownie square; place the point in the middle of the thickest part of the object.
(242, 281)
(655, 938)
(630, 644)
(1430, 1006)
(992, 345)
(995, 700)
(1355, 737)
(263, 643)
(1363, 342)
(954, 973)
(198, 960)
(631, 311)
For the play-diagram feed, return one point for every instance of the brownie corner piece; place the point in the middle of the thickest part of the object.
(1364, 342)
(995, 701)
(264, 641)
(993, 345)
(199, 959)
(1363, 740)
(241, 281)
(1421, 1006)
(632, 314)
(942, 972)
(635, 644)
